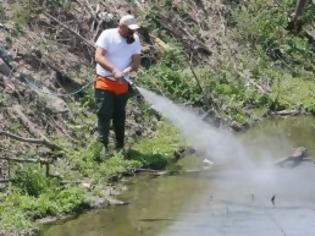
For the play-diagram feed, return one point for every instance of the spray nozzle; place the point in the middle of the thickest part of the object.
(128, 79)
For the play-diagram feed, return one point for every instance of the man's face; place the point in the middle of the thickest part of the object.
(125, 31)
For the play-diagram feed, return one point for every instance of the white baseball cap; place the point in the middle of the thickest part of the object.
(130, 21)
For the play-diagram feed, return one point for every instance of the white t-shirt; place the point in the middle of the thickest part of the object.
(118, 51)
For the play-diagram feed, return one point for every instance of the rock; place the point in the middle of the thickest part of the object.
(299, 153)
(115, 202)
(95, 201)
(236, 126)
(87, 185)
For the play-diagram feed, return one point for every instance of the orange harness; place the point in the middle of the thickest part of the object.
(107, 84)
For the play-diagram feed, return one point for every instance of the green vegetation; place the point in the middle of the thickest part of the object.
(32, 195)
(265, 68)
(272, 70)
(155, 153)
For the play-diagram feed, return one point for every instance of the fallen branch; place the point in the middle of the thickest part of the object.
(88, 42)
(4, 181)
(166, 172)
(293, 112)
(40, 160)
(297, 156)
(29, 140)
(152, 172)
(82, 5)
(30, 127)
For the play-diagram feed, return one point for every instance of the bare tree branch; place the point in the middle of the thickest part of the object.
(29, 140)
(88, 42)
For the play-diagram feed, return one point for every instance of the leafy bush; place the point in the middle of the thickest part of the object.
(32, 181)
(170, 76)
(18, 210)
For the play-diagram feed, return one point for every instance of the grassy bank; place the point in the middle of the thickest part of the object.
(32, 195)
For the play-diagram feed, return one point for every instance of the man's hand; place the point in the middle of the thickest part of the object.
(117, 74)
(127, 70)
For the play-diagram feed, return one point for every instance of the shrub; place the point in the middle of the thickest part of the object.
(32, 181)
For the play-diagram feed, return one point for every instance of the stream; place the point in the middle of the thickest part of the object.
(224, 200)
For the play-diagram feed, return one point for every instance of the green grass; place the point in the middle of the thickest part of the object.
(157, 152)
(32, 195)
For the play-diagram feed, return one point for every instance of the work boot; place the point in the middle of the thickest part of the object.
(103, 154)
(122, 151)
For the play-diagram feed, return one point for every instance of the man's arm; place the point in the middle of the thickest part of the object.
(100, 58)
(134, 65)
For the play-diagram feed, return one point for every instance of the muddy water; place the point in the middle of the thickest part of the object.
(222, 201)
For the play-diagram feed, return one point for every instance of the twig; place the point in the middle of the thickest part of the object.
(88, 42)
(84, 8)
(208, 99)
(92, 12)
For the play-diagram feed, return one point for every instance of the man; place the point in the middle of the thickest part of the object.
(117, 54)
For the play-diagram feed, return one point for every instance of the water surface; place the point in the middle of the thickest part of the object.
(222, 201)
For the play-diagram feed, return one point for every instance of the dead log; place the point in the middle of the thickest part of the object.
(297, 156)
(292, 112)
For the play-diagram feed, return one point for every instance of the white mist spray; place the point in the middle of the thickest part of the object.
(219, 145)
(262, 179)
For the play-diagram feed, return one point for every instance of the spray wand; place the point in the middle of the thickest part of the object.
(133, 89)
(128, 79)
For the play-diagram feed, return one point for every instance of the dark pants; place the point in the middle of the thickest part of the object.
(111, 106)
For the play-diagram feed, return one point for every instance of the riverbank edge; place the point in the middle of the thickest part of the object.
(94, 201)
(172, 150)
